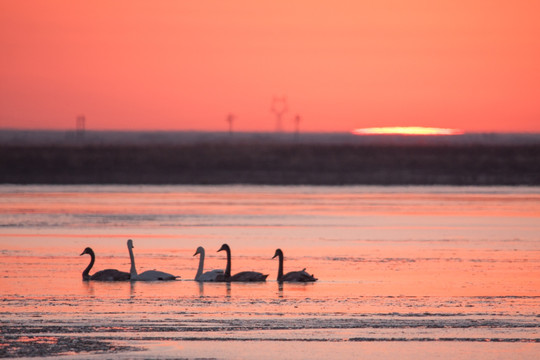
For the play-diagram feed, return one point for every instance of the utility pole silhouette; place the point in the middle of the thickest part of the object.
(297, 119)
(80, 126)
(279, 107)
(230, 120)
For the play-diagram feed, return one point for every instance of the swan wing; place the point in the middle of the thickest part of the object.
(298, 276)
(110, 275)
(248, 276)
(155, 275)
(213, 275)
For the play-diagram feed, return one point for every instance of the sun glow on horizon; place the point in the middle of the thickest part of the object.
(407, 130)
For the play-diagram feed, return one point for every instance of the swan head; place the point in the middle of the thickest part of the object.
(278, 253)
(224, 247)
(88, 251)
(130, 244)
(200, 250)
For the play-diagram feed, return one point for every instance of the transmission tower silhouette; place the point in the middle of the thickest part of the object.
(297, 120)
(80, 126)
(279, 108)
(230, 120)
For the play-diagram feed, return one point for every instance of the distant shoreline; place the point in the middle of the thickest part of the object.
(267, 163)
(171, 138)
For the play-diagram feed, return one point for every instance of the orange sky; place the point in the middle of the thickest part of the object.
(184, 65)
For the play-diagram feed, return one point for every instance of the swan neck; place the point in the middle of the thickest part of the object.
(201, 266)
(280, 268)
(228, 269)
(85, 274)
(133, 270)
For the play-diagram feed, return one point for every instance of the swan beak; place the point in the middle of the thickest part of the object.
(196, 252)
(84, 252)
(273, 257)
(221, 249)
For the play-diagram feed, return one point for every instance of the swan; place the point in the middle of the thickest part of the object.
(244, 276)
(103, 275)
(149, 275)
(293, 276)
(209, 275)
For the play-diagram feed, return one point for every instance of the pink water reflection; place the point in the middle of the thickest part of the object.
(382, 256)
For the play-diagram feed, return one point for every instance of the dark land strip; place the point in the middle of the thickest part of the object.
(272, 164)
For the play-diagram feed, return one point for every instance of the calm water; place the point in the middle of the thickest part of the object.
(450, 272)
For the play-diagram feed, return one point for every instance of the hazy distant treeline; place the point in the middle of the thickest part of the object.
(229, 163)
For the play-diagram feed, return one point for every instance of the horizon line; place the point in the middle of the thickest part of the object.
(343, 132)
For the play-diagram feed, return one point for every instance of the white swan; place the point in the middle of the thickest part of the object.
(293, 276)
(212, 275)
(149, 275)
(103, 275)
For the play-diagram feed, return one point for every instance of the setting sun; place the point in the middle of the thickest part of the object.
(407, 130)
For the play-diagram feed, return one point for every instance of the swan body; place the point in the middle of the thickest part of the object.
(293, 276)
(248, 276)
(208, 276)
(244, 276)
(149, 275)
(103, 275)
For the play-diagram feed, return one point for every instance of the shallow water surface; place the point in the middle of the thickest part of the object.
(452, 271)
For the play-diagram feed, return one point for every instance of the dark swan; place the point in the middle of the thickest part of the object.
(149, 275)
(209, 275)
(103, 275)
(244, 276)
(293, 276)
